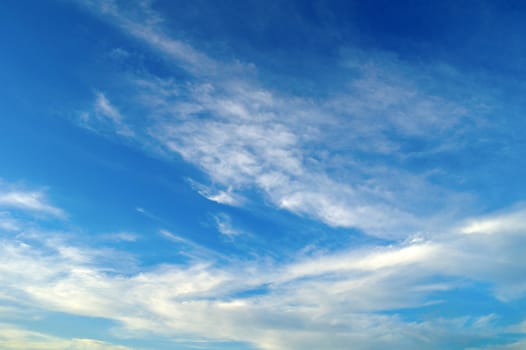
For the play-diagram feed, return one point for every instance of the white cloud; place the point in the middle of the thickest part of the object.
(224, 225)
(171, 236)
(105, 117)
(190, 248)
(104, 109)
(142, 22)
(122, 237)
(219, 196)
(118, 54)
(28, 201)
(253, 150)
(366, 260)
(509, 222)
(246, 137)
(324, 300)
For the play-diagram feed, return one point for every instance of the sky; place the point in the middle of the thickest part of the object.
(262, 175)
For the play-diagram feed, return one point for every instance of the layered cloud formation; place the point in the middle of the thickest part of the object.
(315, 301)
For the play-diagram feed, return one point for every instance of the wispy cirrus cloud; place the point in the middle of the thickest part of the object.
(217, 195)
(224, 225)
(105, 116)
(31, 201)
(121, 237)
(309, 156)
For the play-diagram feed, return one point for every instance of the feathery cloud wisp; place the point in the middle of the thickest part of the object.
(247, 137)
(27, 200)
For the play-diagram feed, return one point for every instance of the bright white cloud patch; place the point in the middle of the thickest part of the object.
(509, 222)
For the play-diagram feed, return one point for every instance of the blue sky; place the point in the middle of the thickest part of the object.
(262, 175)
